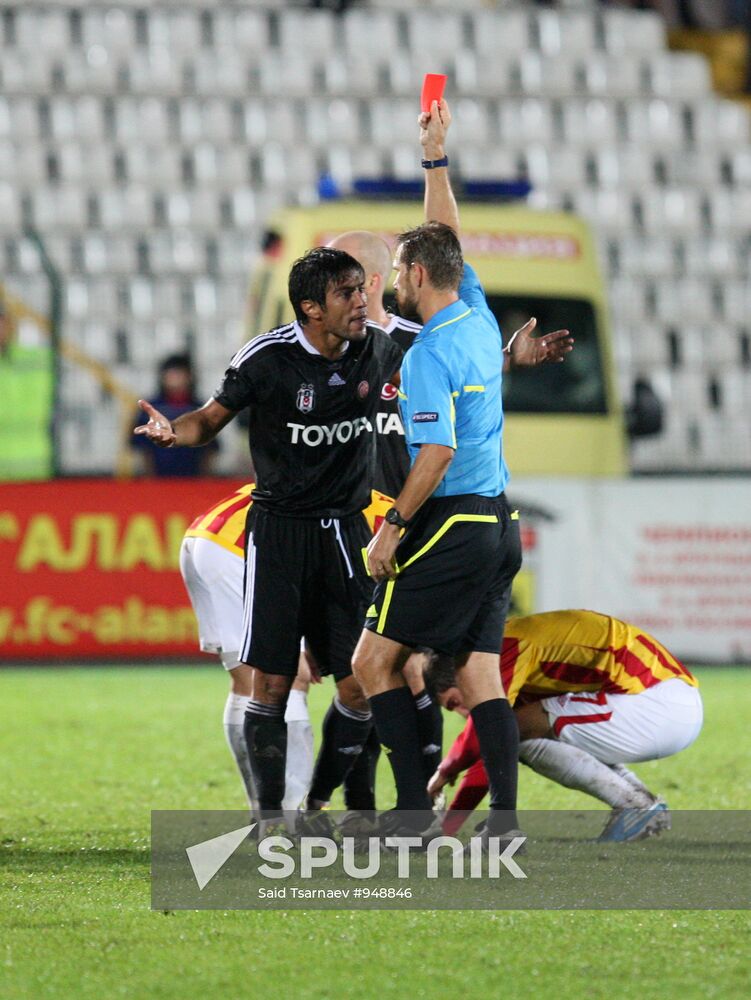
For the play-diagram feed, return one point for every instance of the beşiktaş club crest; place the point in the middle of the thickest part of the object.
(306, 398)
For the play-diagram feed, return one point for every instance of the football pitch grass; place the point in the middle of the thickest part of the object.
(87, 754)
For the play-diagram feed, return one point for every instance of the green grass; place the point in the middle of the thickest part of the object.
(86, 754)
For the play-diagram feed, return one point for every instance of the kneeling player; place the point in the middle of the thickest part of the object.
(212, 563)
(590, 693)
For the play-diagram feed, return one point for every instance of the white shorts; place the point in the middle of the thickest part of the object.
(618, 728)
(214, 578)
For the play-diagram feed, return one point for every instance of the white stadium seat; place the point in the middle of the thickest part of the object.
(720, 123)
(629, 167)
(566, 33)
(361, 27)
(647, 257)
(729, 210)
(270, 120)
(433, 33)
(684, 298)
(564, 169)
(611, 75)
(525, 121)
(334, 121)
(129, 207)
(42, 32)
(481, 163)
(714, 255)
(476, 76)
(114, 29)
(245, 30)
(155, 71)
(306, 31)
(502, 34)
(676, 210)
(678, 75)
(656, 122)
(632, 32)
(540, 74)
(281, 76)
(583, 120)
(10, 209)
(393, 121)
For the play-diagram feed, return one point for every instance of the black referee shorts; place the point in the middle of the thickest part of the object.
(456, 563)
(304, 577)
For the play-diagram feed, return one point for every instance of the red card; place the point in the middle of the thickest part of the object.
(432, 90)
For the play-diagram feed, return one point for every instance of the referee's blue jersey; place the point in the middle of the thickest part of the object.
(451, 392)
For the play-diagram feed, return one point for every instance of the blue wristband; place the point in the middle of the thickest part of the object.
(432, 164)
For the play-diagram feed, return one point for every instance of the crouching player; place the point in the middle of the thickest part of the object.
(590, 694)
(212, 565)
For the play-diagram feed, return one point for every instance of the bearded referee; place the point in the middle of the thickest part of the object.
(446, 582)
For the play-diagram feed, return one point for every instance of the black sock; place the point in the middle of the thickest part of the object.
(266, 737)
(395, 716)
(345, 732)
(430, 732)
(498, 735)
(359, 784)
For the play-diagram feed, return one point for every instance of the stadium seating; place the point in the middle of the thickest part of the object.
(151, 143)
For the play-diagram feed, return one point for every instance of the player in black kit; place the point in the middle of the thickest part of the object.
(313, 388)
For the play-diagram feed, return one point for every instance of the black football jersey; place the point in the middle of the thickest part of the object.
(311, 420)
(392, 458)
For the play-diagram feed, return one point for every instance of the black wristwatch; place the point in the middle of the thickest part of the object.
(392, 516)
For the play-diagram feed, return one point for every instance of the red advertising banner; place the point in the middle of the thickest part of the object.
(89, 568)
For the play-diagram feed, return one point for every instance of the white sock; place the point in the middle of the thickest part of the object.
(297, 707)
(632, 779)
(299, 770)
(575, 768)
(234, 731)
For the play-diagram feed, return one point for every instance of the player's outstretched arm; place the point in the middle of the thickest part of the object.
(190, 430)
(440, 203)
(526, 351)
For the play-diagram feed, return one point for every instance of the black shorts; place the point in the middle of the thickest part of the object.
(304, 577)
(457, 560)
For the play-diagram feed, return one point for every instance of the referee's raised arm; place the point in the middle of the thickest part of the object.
(440, 203)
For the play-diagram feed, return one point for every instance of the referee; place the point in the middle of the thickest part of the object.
(445, 582)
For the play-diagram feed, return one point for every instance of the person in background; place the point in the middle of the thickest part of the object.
(27, 380)
(176, 395)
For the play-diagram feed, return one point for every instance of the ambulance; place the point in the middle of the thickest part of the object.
(561, 419)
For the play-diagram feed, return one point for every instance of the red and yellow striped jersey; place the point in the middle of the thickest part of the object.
(569, 651)
(376, 511)
(224, 522)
